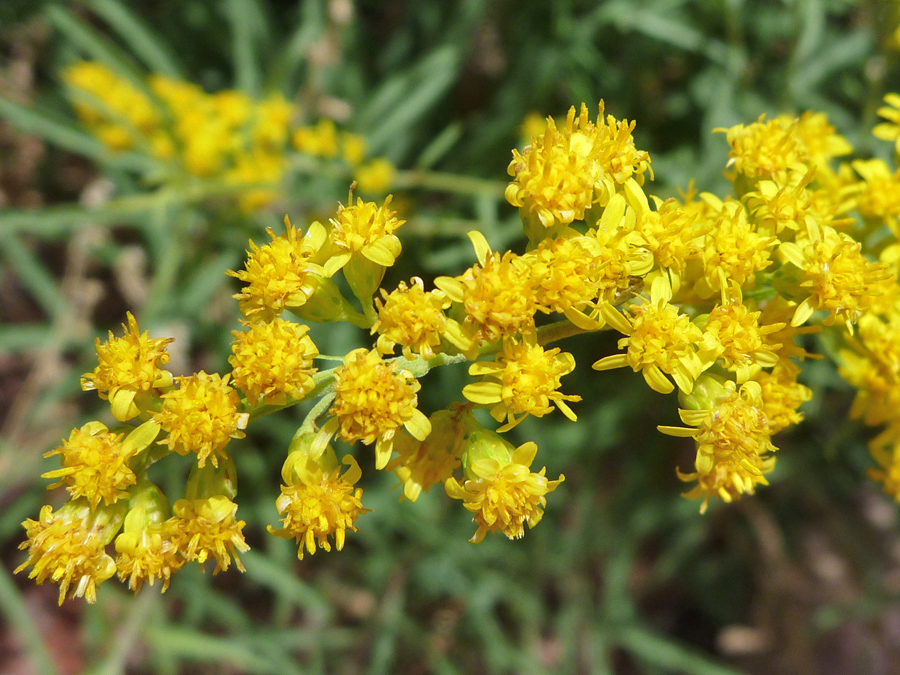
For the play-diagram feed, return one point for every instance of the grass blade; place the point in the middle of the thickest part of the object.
(146, 45)
(246, 22)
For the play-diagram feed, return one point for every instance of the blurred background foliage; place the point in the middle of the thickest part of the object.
(622, 575)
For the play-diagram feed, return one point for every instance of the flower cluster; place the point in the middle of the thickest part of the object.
(713, 296)
(226, 135)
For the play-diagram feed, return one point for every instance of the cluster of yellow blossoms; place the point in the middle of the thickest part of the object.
(713, 297)
(226, 135)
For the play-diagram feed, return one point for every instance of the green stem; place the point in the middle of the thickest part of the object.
(448, 182)
(561, 330)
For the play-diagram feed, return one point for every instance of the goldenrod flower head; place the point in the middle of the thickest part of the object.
(95, 461)
(129, 370)
(208, 527)
(782, 395)
(523, 379)
(421, 464)
(272, 119)
(838, 278)
(373, 398)
(201, 416)
(764, 149)
(273, 361)
(353, 148)
(733, 251)
(317, 502)
(873, 368)
(733, 334)
(319, 140)
(565, 276)
(890, 130)
(281, 274)
(777, 314)
(412, 318)
(661, 341)
(255, 167)
(147, 547)
(376, 177)
(776, 206)
(364, 229)
(562, 173)
(498, 299)
(820, 141)
(502, 492)
(69, 547)
(626, 258)
(879, 194)
(669, 233)
(733, 441)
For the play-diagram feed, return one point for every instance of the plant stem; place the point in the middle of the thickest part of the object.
(448, 182)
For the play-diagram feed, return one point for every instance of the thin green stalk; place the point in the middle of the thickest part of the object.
(448, 182)
(12, 606)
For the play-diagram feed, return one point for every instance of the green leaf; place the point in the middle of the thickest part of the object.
(247, 27)
(147, 46)
(652, 648)
(34, 275)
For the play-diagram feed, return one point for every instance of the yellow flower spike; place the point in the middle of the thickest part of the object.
(129, 372)
(208, 528)
(281, 274)
(147, 548)
(523, 379)
(201, 416)
(95, 461)
(412, 318)
(660, 341)
(500, 490)
(316, 501)
(364, 244)
(373, 399)
(764, 150)
(273, 361)
(69, 547)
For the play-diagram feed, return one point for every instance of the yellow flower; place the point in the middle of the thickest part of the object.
(69, 548)
(733, 440)
(201, 416)
(353, 148)
(879, 195)
(376, 177)
(565, 171)
(565, 276)
(257, 167)
(782, 395)
(733, 334)
(661, 341)
(95, 461)
(498, 299)
(280, 275)
(776, 206)
(733, 251)
(364, 244)
(272, 118)
(523, 379)
(502, 492)
(273, 361)
(820, 142)
(669, 234)
(129, 372)
(890, 130)
(838, 278)
(319, 140)
(412, 318)
(208, 527)
(421, 464)
(764, 149)
(372, 400)
(317, 502)
(147, 555)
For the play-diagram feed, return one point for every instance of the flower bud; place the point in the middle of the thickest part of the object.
(211, 481)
